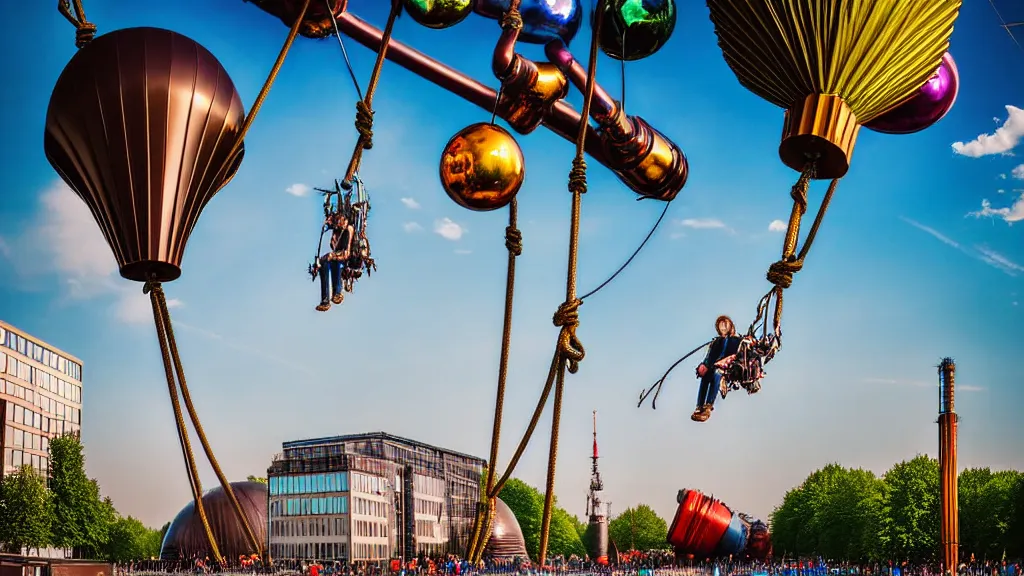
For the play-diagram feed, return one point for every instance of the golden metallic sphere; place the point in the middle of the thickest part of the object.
(438, 14)
(482, 167)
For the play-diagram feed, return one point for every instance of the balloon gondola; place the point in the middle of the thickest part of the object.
(704, 527)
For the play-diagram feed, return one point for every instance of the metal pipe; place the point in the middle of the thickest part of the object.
(562, 119)
(949, 531)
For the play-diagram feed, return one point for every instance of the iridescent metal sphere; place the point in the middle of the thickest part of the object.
(482, 167)
(543, 20)
(931, 103)
(635, 29)
(438, 14)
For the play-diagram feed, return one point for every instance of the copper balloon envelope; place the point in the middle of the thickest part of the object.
(140, 125)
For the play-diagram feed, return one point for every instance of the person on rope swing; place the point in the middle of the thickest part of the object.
(332, 262)
(726, 344)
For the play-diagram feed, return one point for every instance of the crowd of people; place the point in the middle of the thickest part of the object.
(655, 563)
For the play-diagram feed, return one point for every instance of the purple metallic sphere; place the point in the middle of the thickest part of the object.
(933, 101)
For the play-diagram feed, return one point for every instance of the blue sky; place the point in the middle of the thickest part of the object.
(901, 274)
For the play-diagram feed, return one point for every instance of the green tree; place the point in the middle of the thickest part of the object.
(130, 540)
(259, 479)
(971, 483)
(1015, 525)
(639, 528)
(788, 521)
(563, 538)
(25, 510)
(80, 518)
(910, 528)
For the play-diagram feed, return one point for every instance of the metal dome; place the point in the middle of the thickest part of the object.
(185, 538)
(506, 536)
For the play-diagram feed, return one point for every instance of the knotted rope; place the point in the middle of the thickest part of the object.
(84, 30)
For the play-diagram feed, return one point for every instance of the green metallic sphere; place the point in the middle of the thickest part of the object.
(438, 14)
(635, 29)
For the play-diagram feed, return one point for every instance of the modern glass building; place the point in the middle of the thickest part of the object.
(370, 497)
(40, 398)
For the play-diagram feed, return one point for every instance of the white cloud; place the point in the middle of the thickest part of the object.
(65, 241)
(1002, 176)
(702, 223)
(411, 227)
(1003, 141)
(777, 226)
(411, 203)
(448, 229)
(463, 251)
(298, 190)
(1017, 172)
(1000, 191)
(1010, 214)
(920, 384)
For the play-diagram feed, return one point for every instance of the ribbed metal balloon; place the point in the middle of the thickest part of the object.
(140, 125)
(872, 53)
(506, 541)
(185, 538)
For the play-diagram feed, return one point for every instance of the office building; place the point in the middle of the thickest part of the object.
(370, 497)
(40, 398)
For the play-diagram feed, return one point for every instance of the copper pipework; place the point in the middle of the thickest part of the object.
(603, 108)
(650, 164)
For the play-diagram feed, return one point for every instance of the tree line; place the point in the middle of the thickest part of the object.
(850, 514)
(65, 509)
(637, 528)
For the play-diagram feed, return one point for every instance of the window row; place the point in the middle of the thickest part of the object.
(40, 354)
(19, 438)
(368, 484)
(311, 551)
(299, 527)
(17, 458)
(369, 507)
(428, 529)
(309, 506)
(19, 369)
(428, 507)
(45, 403)
(21, 415)
(309, 483)
(370, 552)
(369, 529)
(428, 485)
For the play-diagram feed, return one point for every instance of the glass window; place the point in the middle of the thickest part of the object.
(316, 506)
(320, 483)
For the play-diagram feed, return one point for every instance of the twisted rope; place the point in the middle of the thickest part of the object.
(84, 30)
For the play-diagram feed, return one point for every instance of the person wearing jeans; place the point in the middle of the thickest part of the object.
(726, 344)
(332, 262)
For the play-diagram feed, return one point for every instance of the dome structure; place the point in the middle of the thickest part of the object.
(186, 538)
(506, 541)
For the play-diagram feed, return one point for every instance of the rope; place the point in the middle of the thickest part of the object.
(262, 96)
(344, 52)
(570, 349)
(781, 272)
(84, 30)
(656, 387)
(632, 256)
(194, 417)
(514, 245)
(364, 107)
(154, 290)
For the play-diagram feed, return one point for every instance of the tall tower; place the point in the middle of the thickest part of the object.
(597, 527)
(949, 536)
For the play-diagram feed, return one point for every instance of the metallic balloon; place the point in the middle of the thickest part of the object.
(438, 14)
(140, 125)
(923, 110)
(543, 20)
(482, 167)
(635, 29)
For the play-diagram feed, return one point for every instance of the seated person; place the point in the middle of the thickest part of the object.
(726, 344)
(332, 262)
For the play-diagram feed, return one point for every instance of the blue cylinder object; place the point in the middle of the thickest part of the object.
(543, 20)
(735, 538)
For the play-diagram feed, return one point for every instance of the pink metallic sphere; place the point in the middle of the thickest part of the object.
(933, 101)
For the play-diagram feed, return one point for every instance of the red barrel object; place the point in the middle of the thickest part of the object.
(699, 524)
